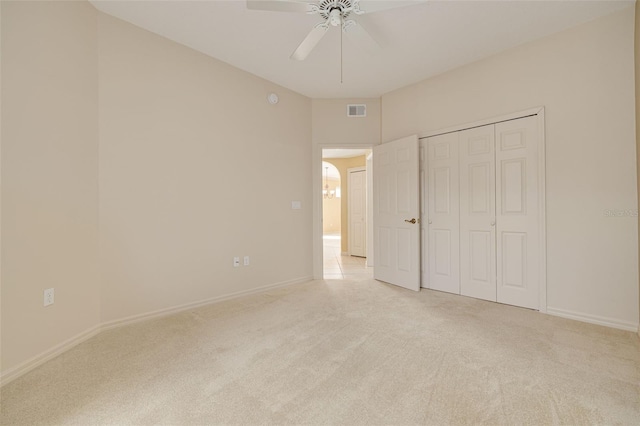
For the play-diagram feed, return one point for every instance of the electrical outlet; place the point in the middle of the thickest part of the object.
(236, 262)
(48, 297)
(246, 261)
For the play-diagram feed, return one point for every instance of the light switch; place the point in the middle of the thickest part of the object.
(296, 205)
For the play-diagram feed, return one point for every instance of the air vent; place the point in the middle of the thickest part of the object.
(356, 110)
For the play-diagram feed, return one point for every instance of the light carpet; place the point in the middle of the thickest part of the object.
(339, 352)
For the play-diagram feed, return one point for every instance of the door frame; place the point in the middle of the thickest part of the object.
(316, 205)
(542, 224)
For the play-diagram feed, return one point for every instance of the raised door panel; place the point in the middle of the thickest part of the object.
(477, 213)
(443, 217)
(518, 218)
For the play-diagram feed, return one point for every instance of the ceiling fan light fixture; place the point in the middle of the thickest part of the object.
(335, 17)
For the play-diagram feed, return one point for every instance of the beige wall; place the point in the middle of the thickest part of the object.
(0, 192)
(174, 124)
(637, 57)
(583, 77)
(178, 144)
(331, 208)
(343, 164)
(49, 175)
(331, 126)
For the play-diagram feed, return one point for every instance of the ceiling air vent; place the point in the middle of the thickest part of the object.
(356, 110)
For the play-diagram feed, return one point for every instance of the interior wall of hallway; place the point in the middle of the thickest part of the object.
(343, 164)
(331, 220)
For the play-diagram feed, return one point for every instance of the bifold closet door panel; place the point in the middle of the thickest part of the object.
(444, 218)
(478, 213)
(517, 212)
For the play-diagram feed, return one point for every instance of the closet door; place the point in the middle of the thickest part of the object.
(517, 206)
(443, 206)
(478, 213)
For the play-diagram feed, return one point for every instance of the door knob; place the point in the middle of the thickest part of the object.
(493, 223)
(430, 222)
(410, 221)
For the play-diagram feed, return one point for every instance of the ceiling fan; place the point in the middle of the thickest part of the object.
(334, 13)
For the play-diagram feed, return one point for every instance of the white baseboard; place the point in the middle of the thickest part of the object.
(36, 361)
(180, 308)
(594, 319)
(49, 354)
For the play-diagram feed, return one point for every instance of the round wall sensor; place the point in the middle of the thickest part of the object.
(272, 98)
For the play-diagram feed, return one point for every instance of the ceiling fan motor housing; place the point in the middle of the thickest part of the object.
(327, 6)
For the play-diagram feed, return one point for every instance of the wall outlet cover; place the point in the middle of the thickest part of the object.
(48, 296)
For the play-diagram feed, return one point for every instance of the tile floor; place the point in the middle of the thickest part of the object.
(342, 267)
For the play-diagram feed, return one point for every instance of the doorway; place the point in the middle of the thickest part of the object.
(344, 224)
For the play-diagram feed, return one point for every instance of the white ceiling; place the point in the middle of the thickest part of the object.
(417, 41)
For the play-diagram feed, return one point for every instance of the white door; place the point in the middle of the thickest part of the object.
(396, 213)
(369, 210)
(424, 214)
(517, 208)
(357, 213)
(444, 219)
(478, 213)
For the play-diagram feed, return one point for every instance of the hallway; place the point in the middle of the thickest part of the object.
(337, 266)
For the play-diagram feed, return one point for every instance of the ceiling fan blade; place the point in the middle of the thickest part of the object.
(361, 37)
(309, 42)
(370, 6)
(279, 5)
